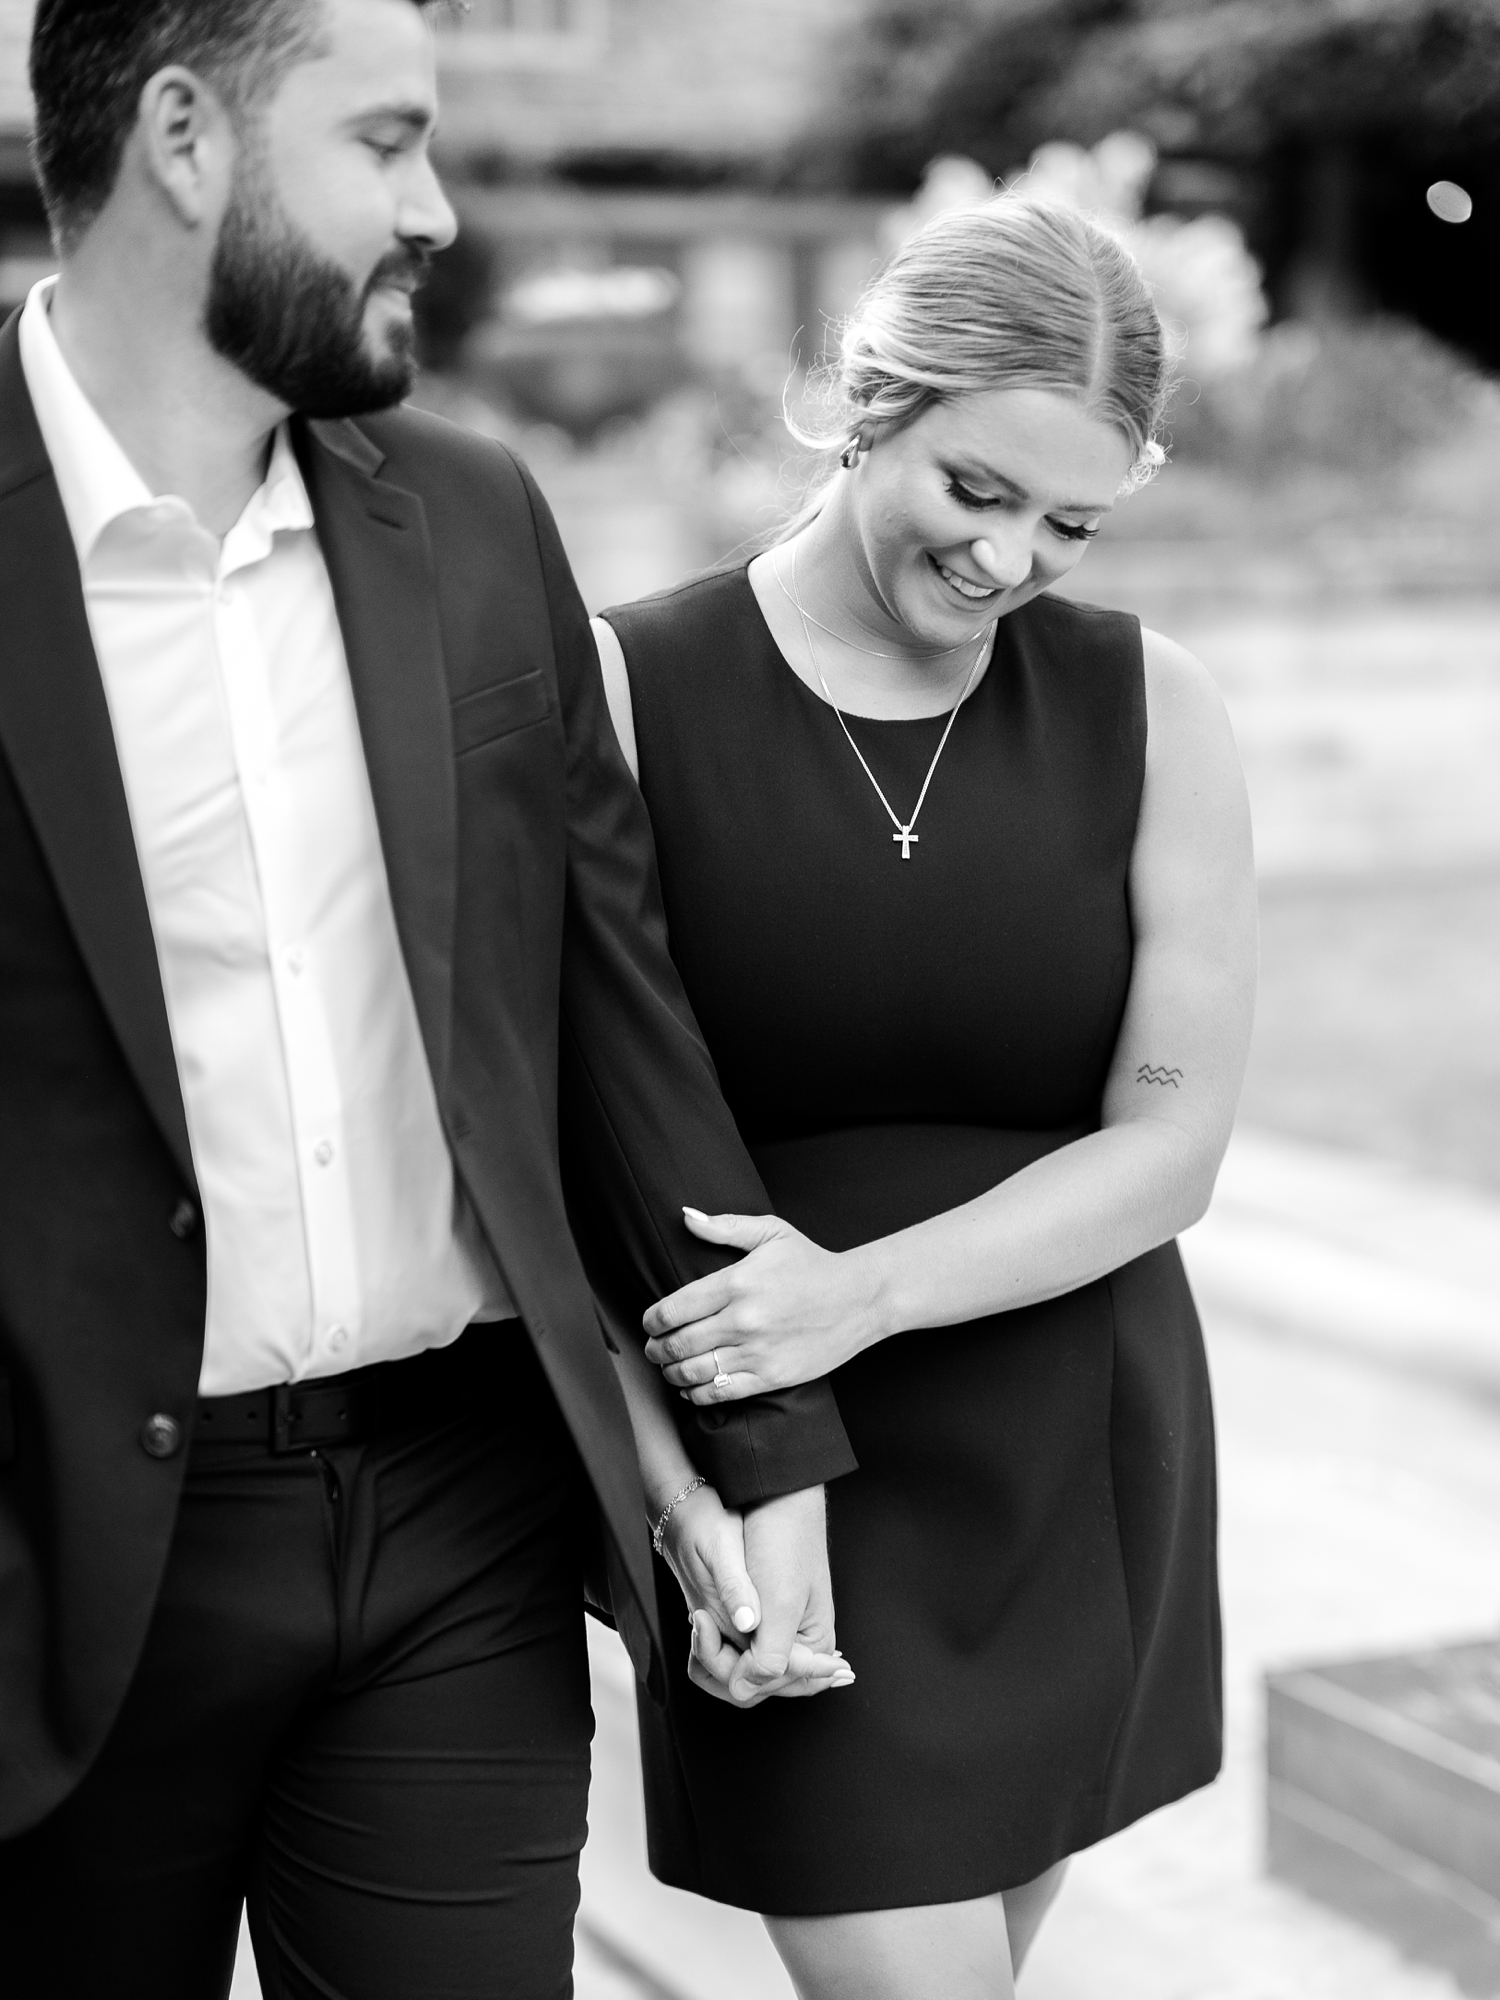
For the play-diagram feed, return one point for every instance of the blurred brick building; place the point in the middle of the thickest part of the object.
(611, 136)
(637, 85)
(592, 134)
(535, 81)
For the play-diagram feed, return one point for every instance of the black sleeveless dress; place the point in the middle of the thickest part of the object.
(1024, 1563)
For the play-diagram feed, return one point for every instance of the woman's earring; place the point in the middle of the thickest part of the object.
(849, 456)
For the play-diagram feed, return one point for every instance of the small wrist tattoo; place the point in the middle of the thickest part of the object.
(1148, 1073)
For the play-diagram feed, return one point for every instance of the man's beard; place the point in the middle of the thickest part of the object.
(294, 322)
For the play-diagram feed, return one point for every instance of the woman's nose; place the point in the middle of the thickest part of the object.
(1005, 560)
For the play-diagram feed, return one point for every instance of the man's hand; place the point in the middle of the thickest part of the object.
(792, 1651)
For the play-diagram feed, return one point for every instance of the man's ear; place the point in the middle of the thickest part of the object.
(187, 144)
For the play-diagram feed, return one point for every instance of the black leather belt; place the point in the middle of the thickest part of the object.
(365, 1403)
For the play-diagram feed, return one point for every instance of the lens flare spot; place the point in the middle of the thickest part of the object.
(1449, 202)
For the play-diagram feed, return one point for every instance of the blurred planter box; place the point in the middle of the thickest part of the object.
(581, 375)
(1383, 1799)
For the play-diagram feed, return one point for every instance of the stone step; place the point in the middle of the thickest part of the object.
(1383, 1799)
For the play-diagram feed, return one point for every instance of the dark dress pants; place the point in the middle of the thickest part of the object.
(363, 1704)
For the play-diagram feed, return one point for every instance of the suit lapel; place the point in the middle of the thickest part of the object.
(374, 541)
(56, 734)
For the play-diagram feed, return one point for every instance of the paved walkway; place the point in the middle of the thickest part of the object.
(1353, 1319)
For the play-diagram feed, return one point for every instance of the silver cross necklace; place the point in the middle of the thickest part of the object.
(903, 834)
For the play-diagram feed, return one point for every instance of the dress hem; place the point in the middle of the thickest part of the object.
(923, 1896)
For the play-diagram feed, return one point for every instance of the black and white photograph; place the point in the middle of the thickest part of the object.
(749, 999)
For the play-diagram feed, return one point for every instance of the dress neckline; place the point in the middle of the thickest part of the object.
(827, 707)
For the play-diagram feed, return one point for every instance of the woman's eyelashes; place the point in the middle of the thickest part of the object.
(979, 503)
(967, 497)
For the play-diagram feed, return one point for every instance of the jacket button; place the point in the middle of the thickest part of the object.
(161, 1436)
(184, 1218)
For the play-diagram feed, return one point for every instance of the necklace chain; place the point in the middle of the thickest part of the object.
(807, 618)
(903, 834)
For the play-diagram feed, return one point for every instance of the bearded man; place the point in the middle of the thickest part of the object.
(319, 866)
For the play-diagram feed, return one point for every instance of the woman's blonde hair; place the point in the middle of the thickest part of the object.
(1017, 294)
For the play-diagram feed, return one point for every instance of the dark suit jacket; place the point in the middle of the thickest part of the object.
(522, 874)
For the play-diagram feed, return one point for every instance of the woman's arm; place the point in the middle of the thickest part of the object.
(705, 1546)
(790, 1311)
(617, 690)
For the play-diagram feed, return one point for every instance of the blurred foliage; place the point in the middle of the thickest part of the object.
(1367, 424)
(997, 78)
(1366, 398)
(1363, 397)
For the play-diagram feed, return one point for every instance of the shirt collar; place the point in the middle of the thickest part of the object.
(278, 505)
(97, 482)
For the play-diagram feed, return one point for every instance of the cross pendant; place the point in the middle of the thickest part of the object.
(906, 837)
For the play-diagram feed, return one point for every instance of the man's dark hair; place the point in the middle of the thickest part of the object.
(90, 60)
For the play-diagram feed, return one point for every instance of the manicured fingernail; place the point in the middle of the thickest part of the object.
(744, 1619)
(696, 1213)
(843, 1680)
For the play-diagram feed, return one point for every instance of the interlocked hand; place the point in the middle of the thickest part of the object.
(750, 1643)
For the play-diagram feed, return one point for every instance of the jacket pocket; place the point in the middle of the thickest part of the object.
(496, 711)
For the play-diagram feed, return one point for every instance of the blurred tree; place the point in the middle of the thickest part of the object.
(1323, 120)
(944, 76)
(1233, 78)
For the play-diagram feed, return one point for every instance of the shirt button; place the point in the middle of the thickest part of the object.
(161, 1436)
(337, 1337)
(294, 961)
(184, 1219)
(323, 1152)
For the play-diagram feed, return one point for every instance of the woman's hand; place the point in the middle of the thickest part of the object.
(788, 1312)
(704, 1546)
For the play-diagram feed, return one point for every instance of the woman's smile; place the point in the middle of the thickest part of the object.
(962, 586)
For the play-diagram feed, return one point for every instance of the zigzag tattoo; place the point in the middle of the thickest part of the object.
(1146, 1074)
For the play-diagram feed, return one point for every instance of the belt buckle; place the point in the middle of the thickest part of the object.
(283, 1416)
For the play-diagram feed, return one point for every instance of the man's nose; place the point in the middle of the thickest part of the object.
(427, 214)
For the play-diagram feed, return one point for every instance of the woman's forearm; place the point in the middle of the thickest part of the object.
(665, 1465)
(791, 1312)
(1061, 1222)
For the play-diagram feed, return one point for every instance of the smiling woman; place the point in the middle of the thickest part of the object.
(958, 877)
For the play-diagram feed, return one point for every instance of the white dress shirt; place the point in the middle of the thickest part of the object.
(336, 1233)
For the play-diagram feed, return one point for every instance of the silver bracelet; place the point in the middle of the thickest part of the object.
(666, 1513)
